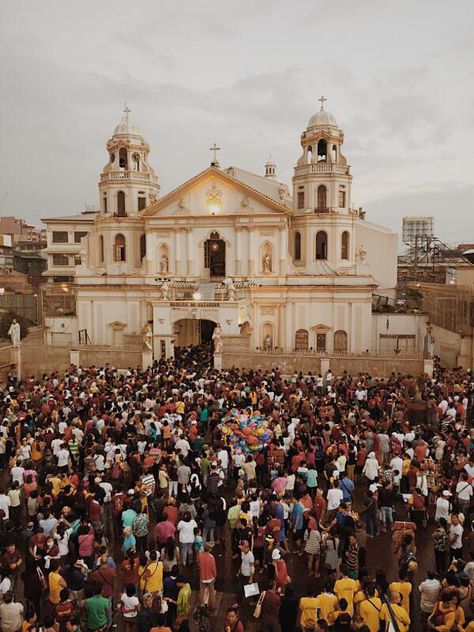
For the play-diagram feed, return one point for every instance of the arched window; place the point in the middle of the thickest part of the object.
(297, 246)
(309, 155)
(340, 341)
(321, 245)
(334, 153)
(322, 150)
(104, 203)
(120, 253)
(345, 245)
(121, 204)
(142, 246)
(322, 198)
(123, 159)
(101, 248)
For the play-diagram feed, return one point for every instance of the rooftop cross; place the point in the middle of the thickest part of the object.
(215, 149)
(322, 99)
(127, 111)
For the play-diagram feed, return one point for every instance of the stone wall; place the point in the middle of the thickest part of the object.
(289, 363)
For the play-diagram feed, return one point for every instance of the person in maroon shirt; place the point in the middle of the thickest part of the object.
(232, 621)
(270, 608)
(105, 576)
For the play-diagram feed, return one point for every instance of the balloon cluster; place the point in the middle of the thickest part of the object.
(246, 430)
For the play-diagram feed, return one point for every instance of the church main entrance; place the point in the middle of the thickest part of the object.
(214, 256)
(190, 331)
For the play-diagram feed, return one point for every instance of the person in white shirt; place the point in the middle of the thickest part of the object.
(371, 467)
(334, 497)
(464, 493)
(443, 506)
(455, 538)
(63, 458)
(183, 446)
(429, 589)
(5, 503)
(17, 473)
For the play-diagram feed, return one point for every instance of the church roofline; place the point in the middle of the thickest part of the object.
(219, 173)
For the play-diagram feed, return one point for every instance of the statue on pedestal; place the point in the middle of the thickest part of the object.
(15, 333)
(164, 263)
(165, 288)
(231, 291)
(429, 342)
(217, 339)
(147, 336)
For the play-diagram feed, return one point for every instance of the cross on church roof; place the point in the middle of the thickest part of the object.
(322, 98)
(215, 149)
(126, 110)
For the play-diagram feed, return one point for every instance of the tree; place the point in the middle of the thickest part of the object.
(6, 320)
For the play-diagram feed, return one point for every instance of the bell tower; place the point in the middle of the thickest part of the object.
(322, 178)
(127, 183)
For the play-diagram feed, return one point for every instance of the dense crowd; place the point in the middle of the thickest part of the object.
(123, 498)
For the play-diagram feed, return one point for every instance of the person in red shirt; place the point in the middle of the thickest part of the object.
(207, 576)
(129, 568)
(171, 511)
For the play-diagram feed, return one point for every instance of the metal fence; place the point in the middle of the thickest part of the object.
(25, 305)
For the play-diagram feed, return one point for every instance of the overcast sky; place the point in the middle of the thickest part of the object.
(398, 77)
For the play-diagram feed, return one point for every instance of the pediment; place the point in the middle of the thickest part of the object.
(213, 192)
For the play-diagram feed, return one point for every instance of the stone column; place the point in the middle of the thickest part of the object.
(176, 252)
(252, 253)
(283, 246)
(189, 250)
(238, 248)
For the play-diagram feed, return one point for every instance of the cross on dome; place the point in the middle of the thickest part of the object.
(322, 98)
(126, 110)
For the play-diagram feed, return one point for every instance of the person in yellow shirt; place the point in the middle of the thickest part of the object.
(369, 609)
(326, 602)
(404, 588)
(151, 574)
(56, 583)
(399, 613)
(308, 612)
(346, 588)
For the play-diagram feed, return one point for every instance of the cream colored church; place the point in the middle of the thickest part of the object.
(277, 269)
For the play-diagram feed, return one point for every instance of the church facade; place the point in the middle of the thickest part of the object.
(276, 269)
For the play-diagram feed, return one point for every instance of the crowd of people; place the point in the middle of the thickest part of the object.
(124, 503)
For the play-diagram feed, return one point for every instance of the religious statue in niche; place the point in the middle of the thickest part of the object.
(360, 254)
(164, 263)
(268, 343)
(147, 336)
(267, 262)
(217, 339)
(15, 333)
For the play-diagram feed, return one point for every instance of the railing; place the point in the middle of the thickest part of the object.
(128, 175)
(233, 346)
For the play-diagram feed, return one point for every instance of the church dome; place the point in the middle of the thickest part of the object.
(126, 127)
(322, 119)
